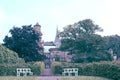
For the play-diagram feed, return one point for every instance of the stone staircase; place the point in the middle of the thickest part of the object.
(48, 78)
(47, 72)
(47, 75)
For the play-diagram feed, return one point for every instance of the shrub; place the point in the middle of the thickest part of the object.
(55, 66)
(8, 56)
(104, 69)
(10, 69)
(41, 67)
(9, 62)
(58, 70)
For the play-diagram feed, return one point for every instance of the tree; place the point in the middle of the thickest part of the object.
(24, 42)
(81, 39)
(114, 44)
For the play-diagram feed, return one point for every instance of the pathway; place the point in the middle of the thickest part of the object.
(48, 78)
(47, 72)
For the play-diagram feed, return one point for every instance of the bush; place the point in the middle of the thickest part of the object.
(103, 69)
(55, 66)
(58, 70)
(39, 67)
(8, 56)
(10, 69)
(9, 62)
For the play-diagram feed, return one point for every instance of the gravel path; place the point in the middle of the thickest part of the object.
(47, 72)
(48, 78)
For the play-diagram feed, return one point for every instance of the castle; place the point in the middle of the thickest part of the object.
(51, 49)
(56, 43)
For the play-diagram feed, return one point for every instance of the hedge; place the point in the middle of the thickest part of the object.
(10, 69)
(103, 69)
(41, 65)
(8, 56)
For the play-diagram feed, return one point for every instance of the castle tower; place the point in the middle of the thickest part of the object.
(57, 41)
(37, 28)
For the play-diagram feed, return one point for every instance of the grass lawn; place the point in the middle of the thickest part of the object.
(83, 78)
(17, 78)
(52, 78)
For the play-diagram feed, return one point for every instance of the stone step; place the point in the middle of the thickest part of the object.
(48, 78)
(47, 72)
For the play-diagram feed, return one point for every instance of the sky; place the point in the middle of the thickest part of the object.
(52, 13)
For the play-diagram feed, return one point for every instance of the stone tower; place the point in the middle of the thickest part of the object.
(57, 41)
(37, 28)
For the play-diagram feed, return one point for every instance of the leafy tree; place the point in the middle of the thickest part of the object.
(24, 42)
(114, 44)
(81, 39)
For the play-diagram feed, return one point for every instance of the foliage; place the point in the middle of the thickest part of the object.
(104, 69)
(42, 66)
(57, 58)
(8, 56)
(114, 44)
(55, 66)
(10, 69)
(80, 29)
(24, 42)
(80, 39)
(9, 62)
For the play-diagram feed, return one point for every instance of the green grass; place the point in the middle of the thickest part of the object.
(52, 78)
(83, 78)
(17, 78)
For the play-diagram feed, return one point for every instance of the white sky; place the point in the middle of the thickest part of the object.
(50, 13)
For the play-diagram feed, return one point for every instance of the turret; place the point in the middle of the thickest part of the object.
(57, 41)
(37, 28)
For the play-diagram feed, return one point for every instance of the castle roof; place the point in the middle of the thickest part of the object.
(37, 24)
(49, 44)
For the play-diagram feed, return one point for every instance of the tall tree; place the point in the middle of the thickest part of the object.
(24, 42)
(81, 39)
(114, 44)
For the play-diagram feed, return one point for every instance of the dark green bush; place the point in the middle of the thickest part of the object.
(54, 68)
(10, 69)
(58, 70)
(10, 61)
(8, 56)
(37, 67)
(104, 69)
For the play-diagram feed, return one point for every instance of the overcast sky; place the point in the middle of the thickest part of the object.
(50, 13)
